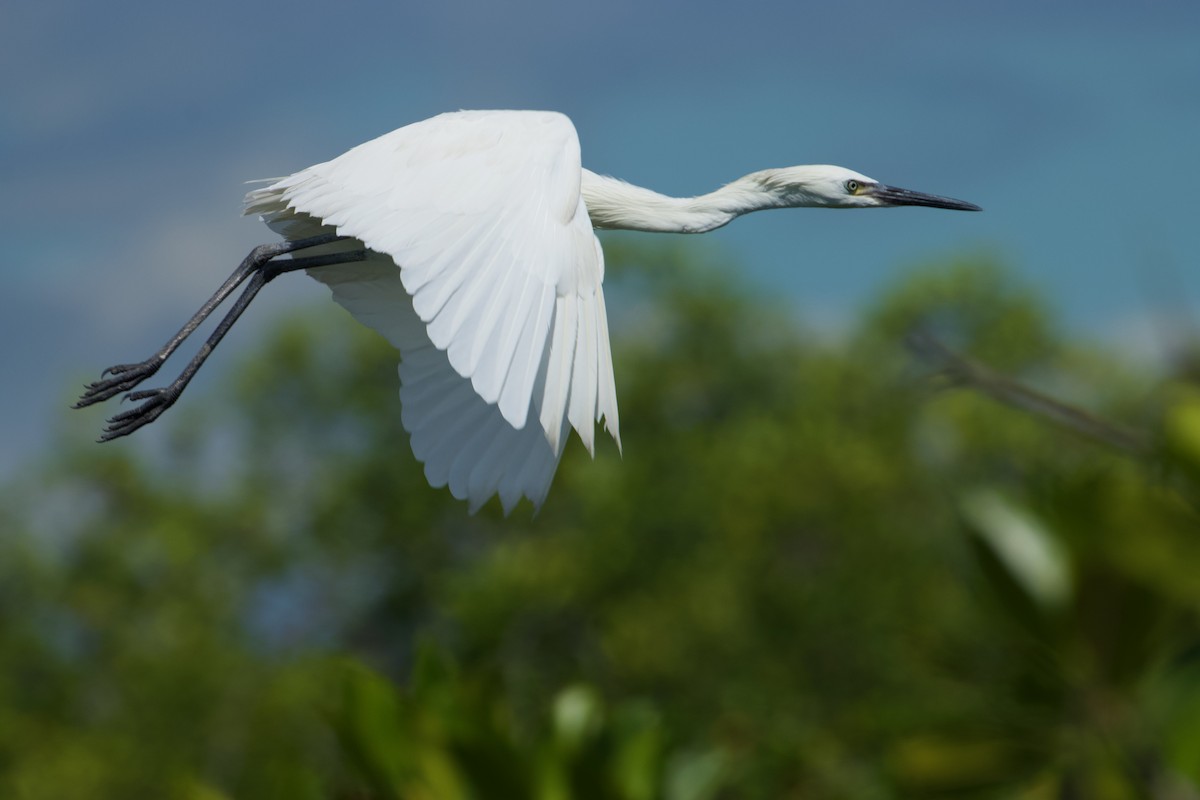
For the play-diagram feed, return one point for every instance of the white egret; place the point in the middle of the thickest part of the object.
(466, 239)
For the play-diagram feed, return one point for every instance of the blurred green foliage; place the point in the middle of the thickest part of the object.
(815, 573)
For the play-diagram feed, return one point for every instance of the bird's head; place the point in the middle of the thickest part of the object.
(827, 186)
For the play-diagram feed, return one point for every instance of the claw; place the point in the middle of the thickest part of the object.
(115, 419)
(156, 402)
(121, 369)
(124, 377)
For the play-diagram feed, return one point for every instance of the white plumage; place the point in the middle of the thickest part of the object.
(470, 247)
(496, 304)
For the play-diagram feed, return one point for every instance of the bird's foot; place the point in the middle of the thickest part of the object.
(156, 402)
(124, 377)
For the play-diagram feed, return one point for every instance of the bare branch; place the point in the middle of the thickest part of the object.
(983, 379)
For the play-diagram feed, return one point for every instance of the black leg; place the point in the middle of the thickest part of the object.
(261, 269)
(126, 376)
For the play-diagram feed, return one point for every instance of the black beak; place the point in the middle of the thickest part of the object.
(894, 196)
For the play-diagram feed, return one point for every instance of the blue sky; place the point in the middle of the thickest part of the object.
(127, 129)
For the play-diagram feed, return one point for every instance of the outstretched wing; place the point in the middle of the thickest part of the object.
(482, 212)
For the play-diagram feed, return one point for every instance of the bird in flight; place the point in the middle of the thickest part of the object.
(467, 241)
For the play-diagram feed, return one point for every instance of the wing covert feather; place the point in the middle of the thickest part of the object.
(499, 277)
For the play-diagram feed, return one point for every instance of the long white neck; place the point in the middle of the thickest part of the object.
(612, 203)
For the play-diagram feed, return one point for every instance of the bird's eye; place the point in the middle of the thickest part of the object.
(852, 186)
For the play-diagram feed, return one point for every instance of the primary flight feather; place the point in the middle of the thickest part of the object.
(467, 241)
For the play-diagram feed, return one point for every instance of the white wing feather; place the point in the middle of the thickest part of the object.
(496, 306)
